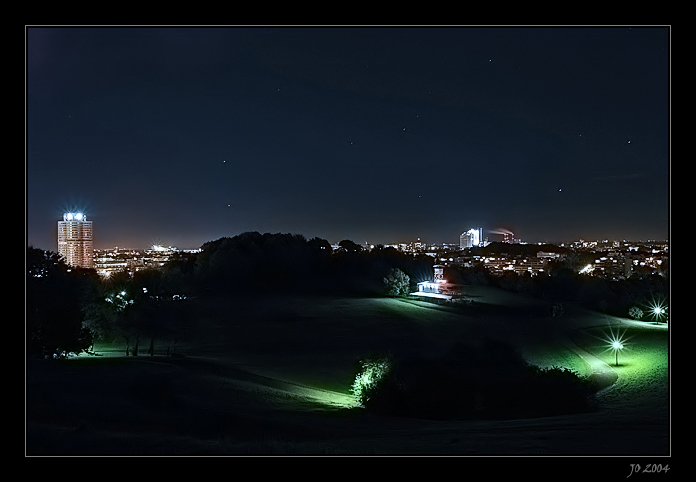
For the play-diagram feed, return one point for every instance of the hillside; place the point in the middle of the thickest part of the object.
(273, 377)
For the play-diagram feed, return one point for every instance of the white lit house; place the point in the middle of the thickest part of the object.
(440, 287)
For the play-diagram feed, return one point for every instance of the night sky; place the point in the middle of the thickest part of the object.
(380, 135)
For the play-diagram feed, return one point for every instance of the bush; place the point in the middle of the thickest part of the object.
(635, 313)
(370, 376)
(397, 283)
(490, 380)
(557, 390)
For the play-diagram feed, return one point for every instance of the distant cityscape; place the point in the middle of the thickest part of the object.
(605, 258)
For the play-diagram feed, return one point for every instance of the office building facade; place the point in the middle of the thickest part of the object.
(75, 243)
(471, 238)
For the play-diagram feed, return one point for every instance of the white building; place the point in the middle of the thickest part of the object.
(440, 287)
(75, 243)
(471, 238)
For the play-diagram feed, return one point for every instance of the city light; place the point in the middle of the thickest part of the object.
(119, 300)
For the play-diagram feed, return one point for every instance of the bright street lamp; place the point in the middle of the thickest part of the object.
(657, 307)
(616, 342)
(658, 310)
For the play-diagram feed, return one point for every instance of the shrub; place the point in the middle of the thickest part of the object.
(558, 390)
(490, 380)
(371, 373)
(397, 283)
(635, 313)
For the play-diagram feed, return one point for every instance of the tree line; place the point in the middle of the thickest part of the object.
(287, 263)
(562, 283)
(68, 308)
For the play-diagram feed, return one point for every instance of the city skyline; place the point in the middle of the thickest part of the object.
(186, 135)
(475, 236)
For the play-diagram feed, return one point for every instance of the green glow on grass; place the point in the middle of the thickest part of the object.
(328, 398)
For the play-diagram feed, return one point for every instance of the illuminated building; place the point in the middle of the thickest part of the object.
(507, 235)
(440, 287)
(110, 261)
(471, 238)
(158, 255)
(75, 240)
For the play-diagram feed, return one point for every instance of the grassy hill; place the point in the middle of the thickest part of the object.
(273, 376)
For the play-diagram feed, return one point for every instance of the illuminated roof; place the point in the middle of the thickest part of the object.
(74, 217)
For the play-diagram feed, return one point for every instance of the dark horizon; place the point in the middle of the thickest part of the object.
(380, 135)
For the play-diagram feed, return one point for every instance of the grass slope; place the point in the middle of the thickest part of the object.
(271, 377)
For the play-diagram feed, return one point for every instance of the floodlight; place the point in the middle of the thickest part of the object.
(658, 308)
(616, 342)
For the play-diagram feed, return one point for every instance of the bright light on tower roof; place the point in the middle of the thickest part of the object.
(74, 217)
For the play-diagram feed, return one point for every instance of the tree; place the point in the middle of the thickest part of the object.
(110, 313)
(320, 244)
(55, 294)
(397, 283)
(635, 313)
(349, 246)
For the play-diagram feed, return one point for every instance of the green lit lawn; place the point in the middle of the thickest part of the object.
(316, 342)
(643, 370)
(256, 373)
(555, 354)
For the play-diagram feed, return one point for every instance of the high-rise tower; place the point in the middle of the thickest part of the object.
(75, 240)
(471, 238)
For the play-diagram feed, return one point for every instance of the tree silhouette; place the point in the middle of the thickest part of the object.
(55, 293)
(397, 283)
(349, 246)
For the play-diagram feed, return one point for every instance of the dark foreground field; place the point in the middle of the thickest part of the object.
(273, 377)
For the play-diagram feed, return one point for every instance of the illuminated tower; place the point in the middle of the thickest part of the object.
(471, 238)
(439, 273)
(75, 240)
